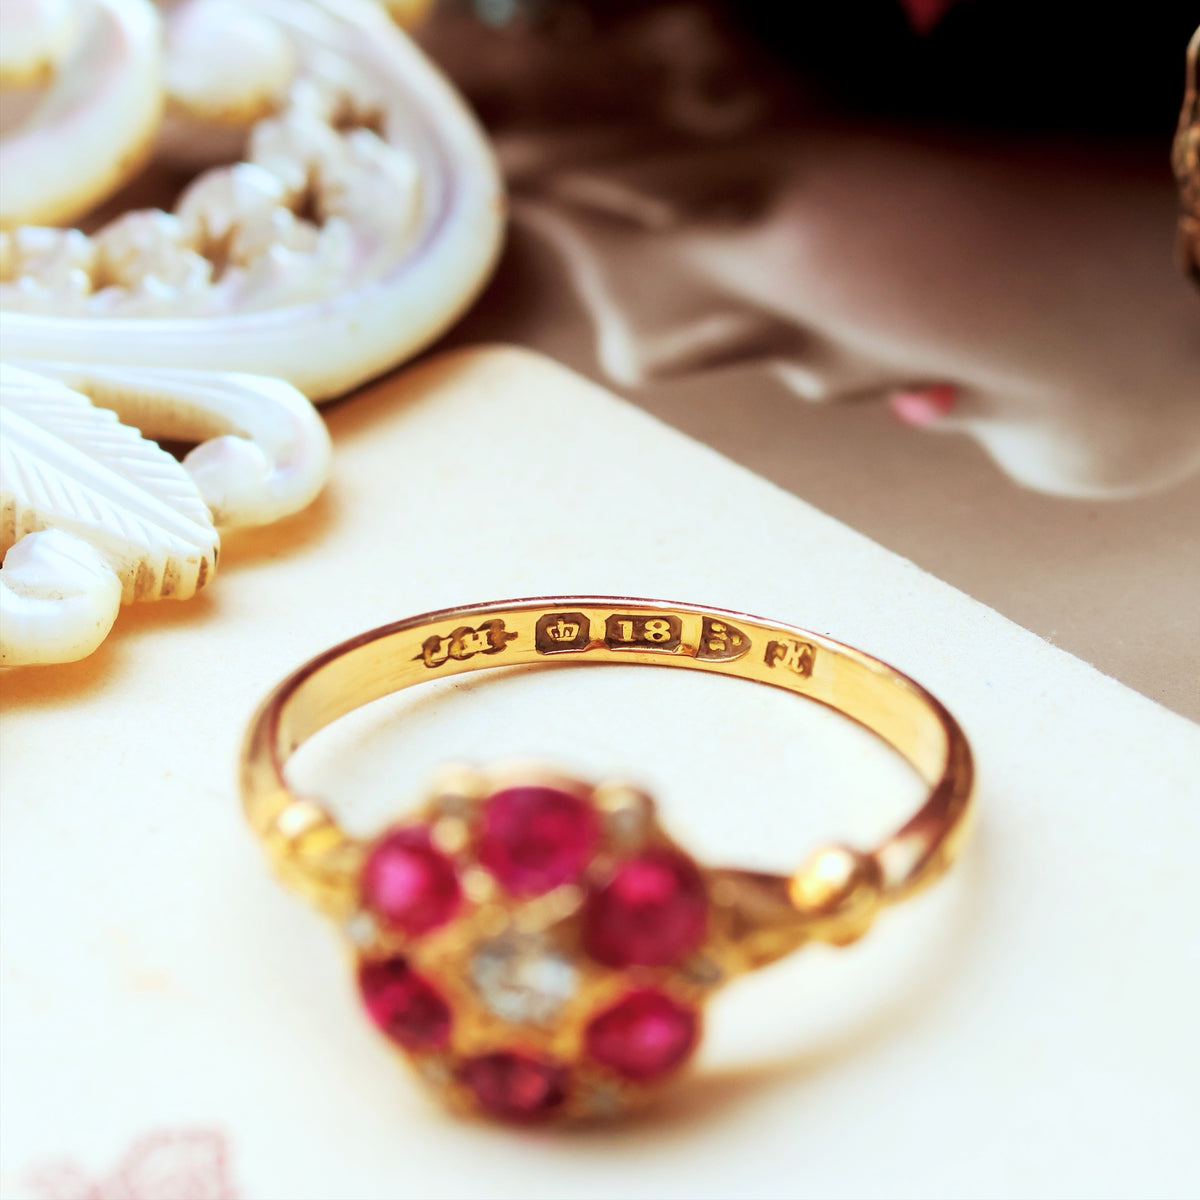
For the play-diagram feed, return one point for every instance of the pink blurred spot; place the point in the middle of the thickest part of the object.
(187, 1164)
(924, 406)
(923, 15)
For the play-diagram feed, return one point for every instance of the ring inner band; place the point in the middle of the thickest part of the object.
(305, 840)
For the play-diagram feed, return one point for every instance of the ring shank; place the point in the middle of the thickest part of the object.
(568, 631)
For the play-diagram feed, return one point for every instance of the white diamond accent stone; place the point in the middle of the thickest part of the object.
(362, 930)
(522, 978)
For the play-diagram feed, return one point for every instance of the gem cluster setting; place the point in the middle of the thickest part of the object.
(537, 947)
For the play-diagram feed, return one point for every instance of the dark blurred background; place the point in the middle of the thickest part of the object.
(1020, 65)
(1017, 64)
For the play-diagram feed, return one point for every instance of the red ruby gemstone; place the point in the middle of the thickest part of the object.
(652, 912)
(537, 838)
(408, 883)
(404, 1005)
(515, 1087)
(643, 1036)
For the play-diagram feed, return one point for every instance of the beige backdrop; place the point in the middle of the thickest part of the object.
(1115, 582)
(172, 1016)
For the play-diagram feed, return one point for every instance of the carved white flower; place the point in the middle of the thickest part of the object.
(365, 215)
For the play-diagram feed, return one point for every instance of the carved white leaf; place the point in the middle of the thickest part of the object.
(262, 454)
(68, 465)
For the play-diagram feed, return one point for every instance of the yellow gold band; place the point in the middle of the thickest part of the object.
(313, 854)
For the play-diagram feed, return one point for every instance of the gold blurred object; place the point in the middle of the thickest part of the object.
(408, 14)
(1185, 158)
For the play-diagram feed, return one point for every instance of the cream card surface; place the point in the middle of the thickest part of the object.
(175, 1026)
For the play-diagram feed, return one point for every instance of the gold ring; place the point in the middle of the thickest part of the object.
(540, 947)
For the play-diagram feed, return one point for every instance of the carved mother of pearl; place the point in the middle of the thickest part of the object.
(92, 513)
(366, 215)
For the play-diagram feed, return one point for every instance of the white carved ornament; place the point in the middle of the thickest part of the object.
(363, 215)
(92, 513)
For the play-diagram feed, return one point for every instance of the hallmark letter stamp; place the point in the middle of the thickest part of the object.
(464, 642)
(792, 655)
(721, 642)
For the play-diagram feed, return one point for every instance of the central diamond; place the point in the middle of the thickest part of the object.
(522, 978)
